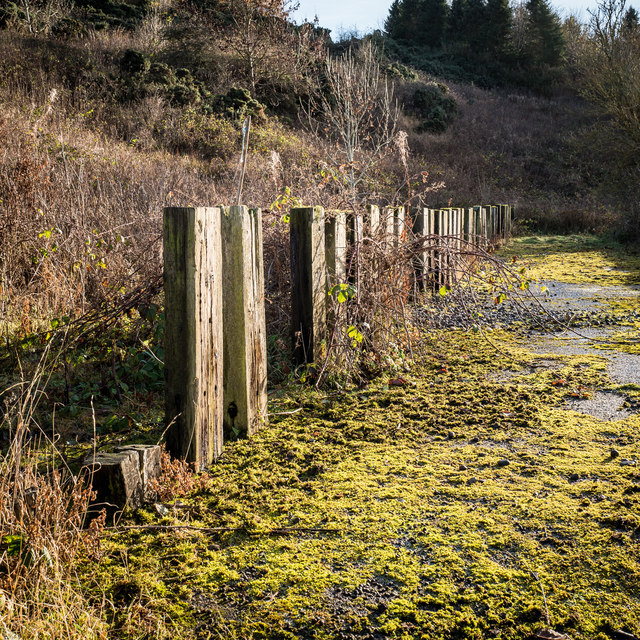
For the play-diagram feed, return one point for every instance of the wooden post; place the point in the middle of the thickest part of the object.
(193, 342)
(244, 327)
(399, 221)
(421, 262)
(485, 225)
(374, 221)
(308, 284)
(477, 226)
(494, 223)
(386, 225)
(335, 247)
(504, 222)
(467, 225)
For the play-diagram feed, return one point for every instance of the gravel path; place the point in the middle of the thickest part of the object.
(590, 302)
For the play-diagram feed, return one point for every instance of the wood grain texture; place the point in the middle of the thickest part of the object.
(374, 221)
(244, 328)
(336, 247)
(193, 333)
(421, 264)
(308, 284)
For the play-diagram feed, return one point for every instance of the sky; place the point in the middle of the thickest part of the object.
(366, 15)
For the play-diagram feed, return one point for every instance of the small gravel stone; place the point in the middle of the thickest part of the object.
(574, 477)
(503, 462)
(462, 467)
(614, 453)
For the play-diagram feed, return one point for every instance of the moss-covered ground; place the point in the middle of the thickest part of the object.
(466, 503)
(579, 259)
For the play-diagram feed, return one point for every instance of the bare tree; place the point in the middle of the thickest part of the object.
(269, 52)
(354, 116)
(610, 69)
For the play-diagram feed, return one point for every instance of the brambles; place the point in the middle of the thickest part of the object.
(177, 479)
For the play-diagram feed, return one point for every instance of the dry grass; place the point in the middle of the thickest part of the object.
(42, 531)
(516, 148)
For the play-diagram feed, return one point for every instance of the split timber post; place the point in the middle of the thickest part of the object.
(399, 221)
(335, 247)
(308, 283)
(504, 220)
(374, 221)
(244, 327)
(387, 225)
(468, 231)
(423, 228)
(485, 231)
(477, 226)
(193, 341)
(442, 216)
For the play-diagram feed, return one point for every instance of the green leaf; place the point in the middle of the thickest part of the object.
(355, 335)
(14, 544)
(444, 290)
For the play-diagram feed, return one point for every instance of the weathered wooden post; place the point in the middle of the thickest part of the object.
(244, 327)
(374, 221)
(442, 217)
(468, 225)
(399, 221)
(386, 226)
(193, 342)
(335, 247)
(421, 261)
(504, 221)
(485, 225)
(477, 226)
(308, 283)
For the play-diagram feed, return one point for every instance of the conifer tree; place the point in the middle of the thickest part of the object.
(392, 24)
(455, 23)
(473, 25)
(545, 41)
(432, 20)
(498, 24)
(630, 23)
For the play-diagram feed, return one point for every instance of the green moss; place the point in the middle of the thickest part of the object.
(578, 259)
(469, 503)
(427, 535)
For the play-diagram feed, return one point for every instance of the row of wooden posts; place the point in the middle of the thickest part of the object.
(215, 335)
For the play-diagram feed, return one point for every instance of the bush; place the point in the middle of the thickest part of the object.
(432, 104)
(134, 62)
(237, 104)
